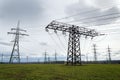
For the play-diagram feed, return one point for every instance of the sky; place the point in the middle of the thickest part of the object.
(35, 15)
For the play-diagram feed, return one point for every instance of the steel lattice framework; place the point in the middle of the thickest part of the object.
(15, 51)
(74, 52)
(95, 53)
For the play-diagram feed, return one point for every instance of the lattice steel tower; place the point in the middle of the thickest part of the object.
(109, 54)
(74, 53)
(55, 56)
(15, 54)
(95, 52)
(45, 57)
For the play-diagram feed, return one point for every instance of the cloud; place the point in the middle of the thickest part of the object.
(6, 54)
(103, 3)
(21, 9)
(94, 8)
(6, 44)
(43, 44)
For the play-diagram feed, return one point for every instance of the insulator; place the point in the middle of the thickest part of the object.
(91, 38)
(102, 34)
(85, 37)
(12, 41)
(8, 32)
(46, 30)
(55, 31)
(63, 32)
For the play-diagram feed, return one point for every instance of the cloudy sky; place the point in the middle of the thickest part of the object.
(35, 15)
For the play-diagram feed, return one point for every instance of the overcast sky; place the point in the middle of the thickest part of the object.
(35, 15)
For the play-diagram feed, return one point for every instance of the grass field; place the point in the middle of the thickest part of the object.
(59, 72)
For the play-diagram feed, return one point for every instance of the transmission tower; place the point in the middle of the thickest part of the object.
(27, 58)
(109, 54)
(75, 32)
(55, 57)
(15, 51)
(49, 60)
(45, 57)
(86, 57)
(2, 58)
(95, 53)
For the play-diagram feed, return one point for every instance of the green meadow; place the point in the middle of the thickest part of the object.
(59, 72)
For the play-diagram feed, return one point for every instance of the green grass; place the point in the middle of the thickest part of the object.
(59, 72)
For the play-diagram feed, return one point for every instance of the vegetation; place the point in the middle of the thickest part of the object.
(59, 72)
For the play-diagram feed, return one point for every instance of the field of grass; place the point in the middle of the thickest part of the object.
(59, 72)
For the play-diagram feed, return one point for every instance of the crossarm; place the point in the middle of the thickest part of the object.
(18, 33)
(18, 29)
(59, 26)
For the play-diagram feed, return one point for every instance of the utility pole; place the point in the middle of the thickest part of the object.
(109, 54)
(74, 51)
(95, 53)
(45, 57)
(15, 54)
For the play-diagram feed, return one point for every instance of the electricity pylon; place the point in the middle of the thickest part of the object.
(75, 32)
(49, 60)
(109, 54)
(2, 58)
(27, 58)
(15, 54)
(45, 57)
(55, 57)
(95, 53)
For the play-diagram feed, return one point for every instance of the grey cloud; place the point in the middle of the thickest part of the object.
(43, 44)
(5, 43)
(118, 52)
(25, 9)
(92, 12)
(6, 54)
(104, 3)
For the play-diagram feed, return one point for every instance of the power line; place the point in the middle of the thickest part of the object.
(93, 17)
(102, 24)
(87, 12)
(89, 45)
(65, 39)
(57, 45)
(84, 45)
(31, 52)
(61, 41)
(102, 19)
(101, 39)
(111, 30)
(84, 12)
